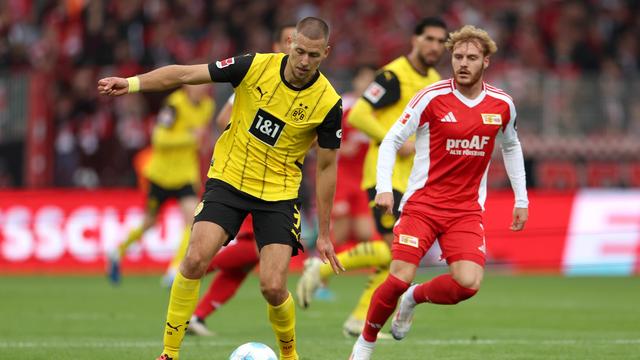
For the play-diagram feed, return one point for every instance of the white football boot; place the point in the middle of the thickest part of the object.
(401, 323)
(198, 328)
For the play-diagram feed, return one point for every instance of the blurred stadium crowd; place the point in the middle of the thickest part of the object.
(572, 67)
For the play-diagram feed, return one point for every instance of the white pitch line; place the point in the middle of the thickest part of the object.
(101, 344)
(84, 344)
(527, 342)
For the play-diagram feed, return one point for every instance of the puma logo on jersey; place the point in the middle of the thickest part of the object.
(470, 147)
(449, 118)
(261, 93)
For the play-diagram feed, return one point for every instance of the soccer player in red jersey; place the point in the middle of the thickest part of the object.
(456, 122)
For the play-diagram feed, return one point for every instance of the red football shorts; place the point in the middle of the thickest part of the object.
(350, 199)
(461, 236)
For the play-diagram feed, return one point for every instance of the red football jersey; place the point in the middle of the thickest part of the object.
(350, 165)
(455, 138)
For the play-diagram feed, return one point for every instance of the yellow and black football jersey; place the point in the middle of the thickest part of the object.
(272, 126)
(174, 158)
(393, 87)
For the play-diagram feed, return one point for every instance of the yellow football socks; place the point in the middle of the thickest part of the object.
(182, 303)
(181, 251)
(364, 255)
(283, 322)
(360, 311)
(134, 236)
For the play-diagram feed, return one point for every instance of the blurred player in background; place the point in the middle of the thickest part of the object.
(173, 171)
(374, 114)
(351, 214)
(235, 261)
(282, 104)
(456, 122)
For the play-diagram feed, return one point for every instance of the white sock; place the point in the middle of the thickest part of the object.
(365, 343)
(409, 295)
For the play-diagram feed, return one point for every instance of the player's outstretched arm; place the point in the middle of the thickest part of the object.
(362, 118)
(164, 78)
(325, 190)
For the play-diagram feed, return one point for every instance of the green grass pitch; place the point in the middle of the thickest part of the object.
(523, 317)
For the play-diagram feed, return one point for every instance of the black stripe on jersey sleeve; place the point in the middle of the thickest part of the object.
(231, 70)
(383, 91)
(330, 130)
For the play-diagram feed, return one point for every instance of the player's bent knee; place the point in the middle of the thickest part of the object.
(468, 280)
(403, 271)
(194, 265)
(274, 293)
(467, 274)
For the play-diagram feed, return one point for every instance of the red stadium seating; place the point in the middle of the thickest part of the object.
(603, 174)
(634, 175)
(557, 175)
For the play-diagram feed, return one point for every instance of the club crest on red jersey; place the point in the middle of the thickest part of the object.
(491, 119)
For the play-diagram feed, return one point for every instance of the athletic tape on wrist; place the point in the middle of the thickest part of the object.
(134, 84)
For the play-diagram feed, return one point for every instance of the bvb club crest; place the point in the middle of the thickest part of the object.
(300, 113)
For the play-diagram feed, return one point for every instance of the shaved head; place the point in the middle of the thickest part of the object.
(313, 28)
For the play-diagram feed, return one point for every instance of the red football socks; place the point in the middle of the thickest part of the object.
(442, 290)
(233, 263)
(383, 302)
(222, 288)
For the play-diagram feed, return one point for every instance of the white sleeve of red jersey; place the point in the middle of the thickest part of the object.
(514, 161)
(403, 128)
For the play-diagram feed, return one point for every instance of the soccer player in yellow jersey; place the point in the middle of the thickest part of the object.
(282, 104)
(235, 262)
(374, 113)
(174, 168)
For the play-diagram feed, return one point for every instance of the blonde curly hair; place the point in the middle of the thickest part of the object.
(470, 33)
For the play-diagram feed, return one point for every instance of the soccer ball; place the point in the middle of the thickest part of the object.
(253, 351)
